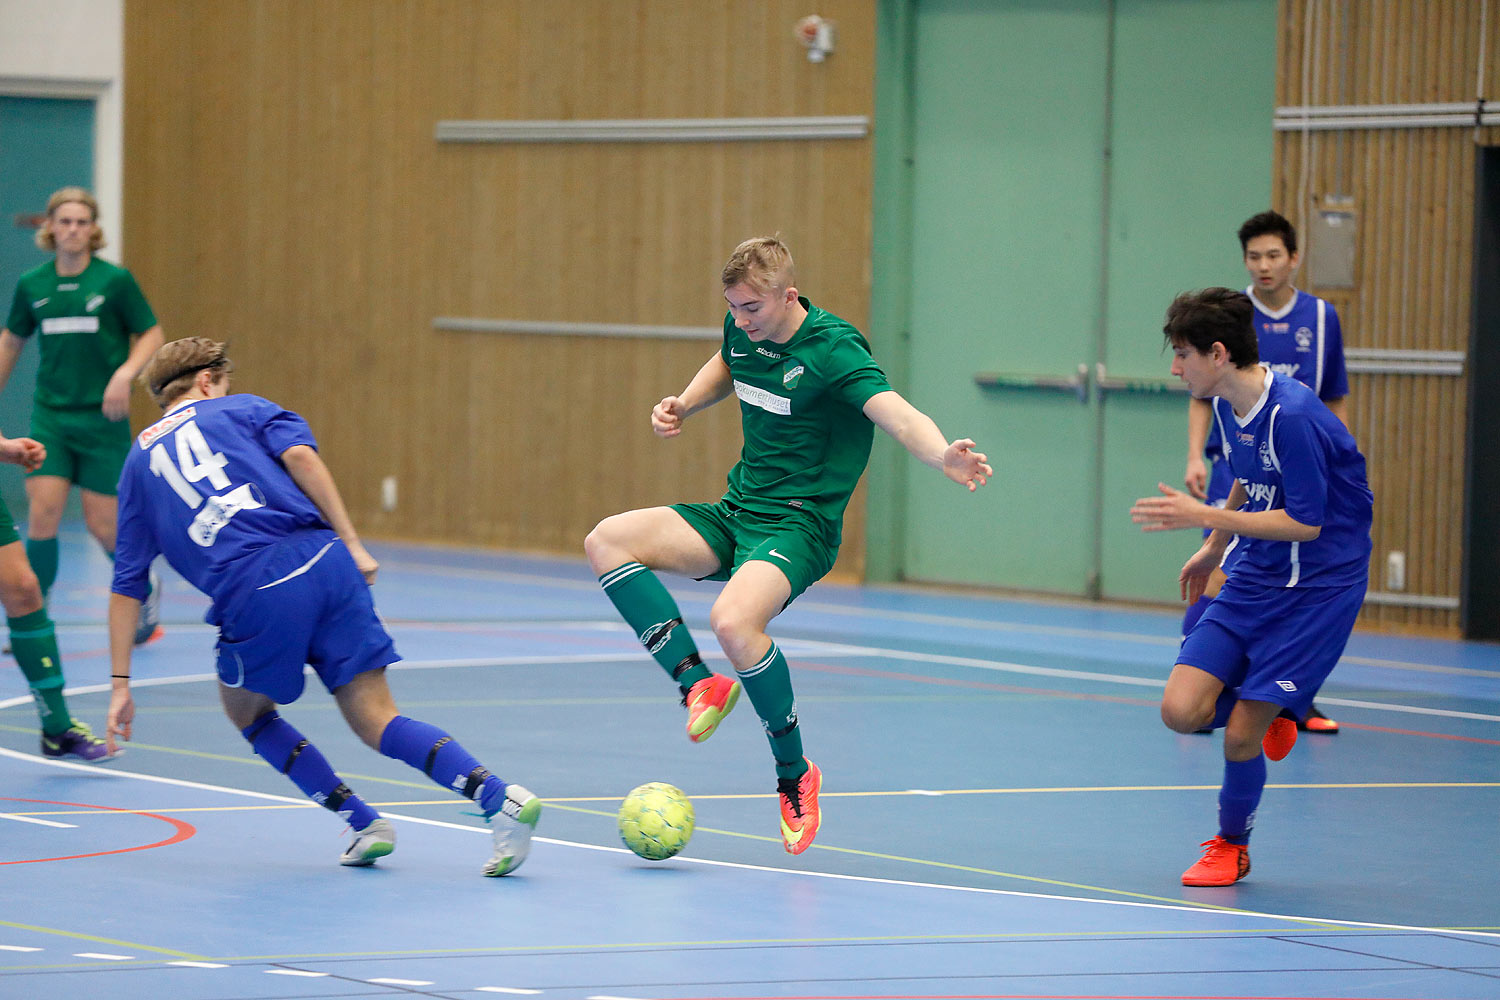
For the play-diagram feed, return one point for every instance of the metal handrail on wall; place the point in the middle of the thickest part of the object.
(1077, 384)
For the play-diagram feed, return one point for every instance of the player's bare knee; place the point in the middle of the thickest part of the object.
(20, 595)
(603, 546)
(1241, 746)
(1182, 718)
(732, 627)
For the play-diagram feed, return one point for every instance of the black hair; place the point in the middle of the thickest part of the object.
(1214, 316)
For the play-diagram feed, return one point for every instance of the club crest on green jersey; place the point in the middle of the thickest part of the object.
(791, 374)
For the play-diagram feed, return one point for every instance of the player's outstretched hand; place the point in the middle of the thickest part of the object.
(1196, 477)
(667, 417)
(1173, 509)
(965, 466)
(25, 452)
(121, 716)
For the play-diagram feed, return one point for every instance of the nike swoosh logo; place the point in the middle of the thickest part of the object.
(737, 354)
(778, 555)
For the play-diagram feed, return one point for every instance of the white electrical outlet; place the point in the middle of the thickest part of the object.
(1395, 571)
(388, 494)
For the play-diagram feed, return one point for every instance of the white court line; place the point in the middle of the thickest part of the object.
(504, 989)
(200, 965)
(867, 879)
(38, 822)
(16, 947)
(815, 647)
(926, 618)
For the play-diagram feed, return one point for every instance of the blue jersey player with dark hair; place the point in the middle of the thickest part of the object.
(1301, 508)
(1297, 334)
(232, 491)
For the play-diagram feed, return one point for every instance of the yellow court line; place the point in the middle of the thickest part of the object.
(113, 942)
(948, 866)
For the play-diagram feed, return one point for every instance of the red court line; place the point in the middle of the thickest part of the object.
(1039, 996)
(830, 668)
(1419, 732)
(184, 831)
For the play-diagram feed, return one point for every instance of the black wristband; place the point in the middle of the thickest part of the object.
(123, 677)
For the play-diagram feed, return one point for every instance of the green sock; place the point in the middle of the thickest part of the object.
(42, 554)
(34, 643)
(647, 607)
(769, 687)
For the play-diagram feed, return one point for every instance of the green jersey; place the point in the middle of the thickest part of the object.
(86, 322)
(807, 439)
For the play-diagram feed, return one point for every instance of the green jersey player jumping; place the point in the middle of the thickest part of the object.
(810, 396)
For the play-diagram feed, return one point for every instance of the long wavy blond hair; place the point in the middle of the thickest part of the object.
(62, 196)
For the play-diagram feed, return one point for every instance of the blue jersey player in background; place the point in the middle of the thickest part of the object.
(1302, 509)
(1297, 334)
(232, 491)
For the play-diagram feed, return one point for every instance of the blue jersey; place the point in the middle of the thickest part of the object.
(205, 487)
(1302, 339)
(1291, 453)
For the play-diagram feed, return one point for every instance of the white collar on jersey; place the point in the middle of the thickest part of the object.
(1255, 410)
(1274, 313)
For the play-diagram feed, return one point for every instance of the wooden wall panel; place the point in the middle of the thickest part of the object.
(1413, 194)
(284, 189)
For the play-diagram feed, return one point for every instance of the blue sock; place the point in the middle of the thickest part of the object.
(1228, 698)
(1194, 612)
(443, 759)
(1244, 780)
(284, 748)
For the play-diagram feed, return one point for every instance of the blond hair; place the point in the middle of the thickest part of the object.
(763, 262)
(172, 369)
(62, 196)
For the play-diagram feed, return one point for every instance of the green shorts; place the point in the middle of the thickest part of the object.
(8, 531)
(83, 447)
(803, 547)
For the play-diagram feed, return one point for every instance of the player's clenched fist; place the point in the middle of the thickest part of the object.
(667, 417)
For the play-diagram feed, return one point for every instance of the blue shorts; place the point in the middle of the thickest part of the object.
(1275, 644)
(314, 609)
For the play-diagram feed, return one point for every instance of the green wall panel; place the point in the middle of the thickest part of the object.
(1194, 87)
(1006, 239)
(45, 144)
(1048, 176)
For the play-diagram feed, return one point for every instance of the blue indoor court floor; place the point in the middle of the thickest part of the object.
(1004, 814)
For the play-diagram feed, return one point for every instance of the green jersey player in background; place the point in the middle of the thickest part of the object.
(87, 312)
(810, 397)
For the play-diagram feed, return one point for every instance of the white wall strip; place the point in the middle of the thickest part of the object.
(465, 324)
(657, 129)
(1345, 117)
(1385, 597)
(1393, 361)
(81, 87)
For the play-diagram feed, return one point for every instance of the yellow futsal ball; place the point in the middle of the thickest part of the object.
(656, 820)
